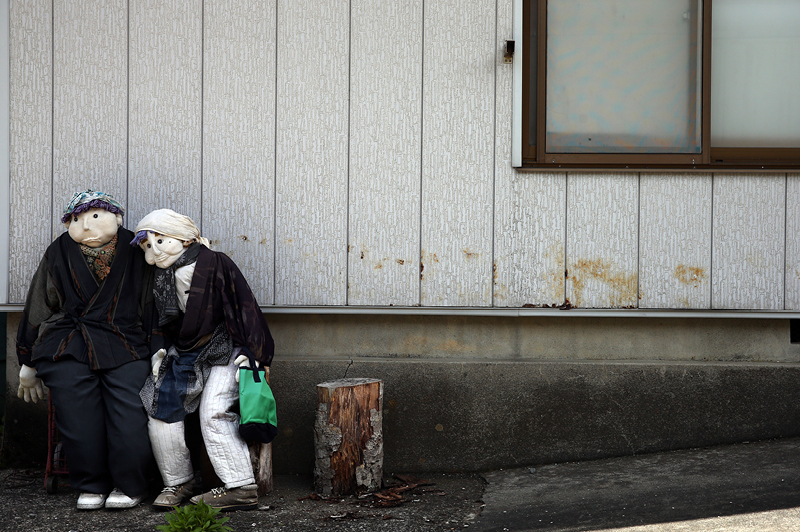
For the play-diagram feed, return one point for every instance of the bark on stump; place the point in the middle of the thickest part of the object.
(261, 458)
(348, 436)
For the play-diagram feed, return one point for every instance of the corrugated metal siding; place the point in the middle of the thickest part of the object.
(530, 209)
(458, 153)
(90, 98)
(749, 241)
(792, 275)
(359, 153)
(312, 171)
(385, 143)
(529, 244)
(31, 131)
(675, 241)
(602, 229)
(239, 155)
(166, 108)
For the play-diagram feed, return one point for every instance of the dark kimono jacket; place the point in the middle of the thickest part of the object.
(219, 293)
(69, 313)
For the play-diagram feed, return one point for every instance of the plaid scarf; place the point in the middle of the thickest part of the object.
(99, 259)
(164, 291)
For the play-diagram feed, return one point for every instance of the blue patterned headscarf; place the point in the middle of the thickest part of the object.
(91, 199)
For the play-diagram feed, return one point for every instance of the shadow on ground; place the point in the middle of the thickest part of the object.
(445, 502)
(675, 487)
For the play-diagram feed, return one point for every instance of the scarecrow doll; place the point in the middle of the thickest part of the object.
(83, 335)
(210, 317)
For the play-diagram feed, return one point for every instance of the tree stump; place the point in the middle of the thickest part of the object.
(348, 436)
(261, 458)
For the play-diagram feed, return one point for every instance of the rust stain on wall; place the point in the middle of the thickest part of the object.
(469, 254)
(623, 286)
(429, 257)
(426, 257)
(554, 278)
(689, 275)
(500, 290)
(243, 237)
(400, 261)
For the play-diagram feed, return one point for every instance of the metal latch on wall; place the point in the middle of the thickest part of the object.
(508, 57)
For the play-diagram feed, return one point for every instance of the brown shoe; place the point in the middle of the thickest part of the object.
(242, 498)
(173, 495)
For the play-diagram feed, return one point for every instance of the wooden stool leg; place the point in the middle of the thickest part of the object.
(261, 457)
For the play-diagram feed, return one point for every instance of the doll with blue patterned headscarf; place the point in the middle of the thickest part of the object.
(87, 334)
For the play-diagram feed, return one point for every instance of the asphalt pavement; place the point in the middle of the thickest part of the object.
(733, 488)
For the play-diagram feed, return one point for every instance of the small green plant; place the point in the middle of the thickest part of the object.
(195, 518)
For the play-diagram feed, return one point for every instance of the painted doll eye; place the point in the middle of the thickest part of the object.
(160, 241)
(95, 215)
(148, 246)
(75, 219)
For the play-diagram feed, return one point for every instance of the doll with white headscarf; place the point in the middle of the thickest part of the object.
(210, 316)
(83, 335)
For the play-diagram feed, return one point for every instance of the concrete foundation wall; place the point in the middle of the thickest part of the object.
(546, 338)
(470, 415)
(477, 393)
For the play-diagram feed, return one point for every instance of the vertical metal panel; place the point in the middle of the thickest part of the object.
(793, 242)
(90, 88)
(385, 144)
(311, 175)
(675, 241)
(530, 239)
(458, 152)
(30, 151)
(5, 198)
(602, 240)
(239, 136)
(749, 239)
(165, 107)
(530, 209)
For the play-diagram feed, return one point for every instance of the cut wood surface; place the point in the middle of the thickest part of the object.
(348, 436)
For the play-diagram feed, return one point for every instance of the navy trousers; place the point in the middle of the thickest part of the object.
(102, 422)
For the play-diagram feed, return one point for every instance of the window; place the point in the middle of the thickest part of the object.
(661, 83)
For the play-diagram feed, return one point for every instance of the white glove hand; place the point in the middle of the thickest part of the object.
(30, 386)
(243, 361)
(155, 360)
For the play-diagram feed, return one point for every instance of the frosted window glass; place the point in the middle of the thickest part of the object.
(623, 76)
(755, 74)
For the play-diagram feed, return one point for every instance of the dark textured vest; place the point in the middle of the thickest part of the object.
(102, 325)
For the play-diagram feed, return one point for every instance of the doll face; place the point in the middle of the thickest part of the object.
(162, 250)
(94, 228)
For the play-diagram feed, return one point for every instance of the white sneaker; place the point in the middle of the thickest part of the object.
(118, 500)
(91, 501)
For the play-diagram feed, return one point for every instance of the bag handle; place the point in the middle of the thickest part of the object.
(252, 360)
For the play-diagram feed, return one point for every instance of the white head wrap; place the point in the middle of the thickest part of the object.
(169, 223)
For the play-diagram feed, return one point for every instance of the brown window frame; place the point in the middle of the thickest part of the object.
(709, 157)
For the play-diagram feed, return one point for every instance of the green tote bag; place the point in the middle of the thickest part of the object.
(258, 418)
